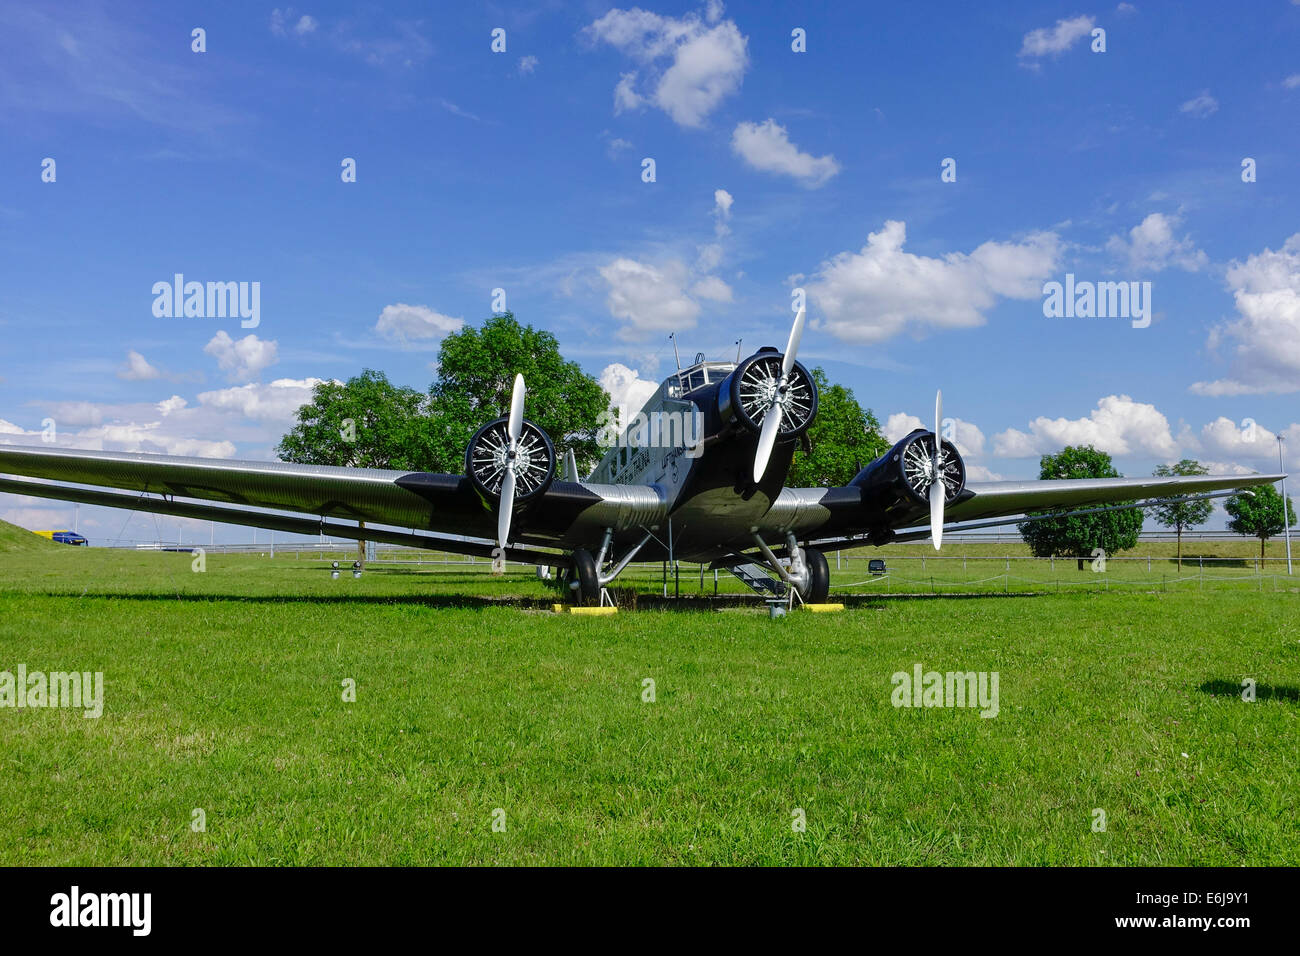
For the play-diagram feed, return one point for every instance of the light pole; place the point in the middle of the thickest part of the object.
(1286, 524)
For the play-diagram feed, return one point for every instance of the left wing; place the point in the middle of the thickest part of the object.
(843, 516)
(992, 499)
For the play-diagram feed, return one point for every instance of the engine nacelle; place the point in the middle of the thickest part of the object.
(747, 393)
(900, 478)
(489, 450)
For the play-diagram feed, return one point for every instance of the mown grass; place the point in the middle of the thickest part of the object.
(224, 692)
(14, 538)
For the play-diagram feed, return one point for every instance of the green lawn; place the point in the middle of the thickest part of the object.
(223, 692)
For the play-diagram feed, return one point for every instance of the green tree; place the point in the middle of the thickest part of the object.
(1178, 513)
(365, 422)
(842, 439)
(1079, 535)
(476, 373)
(1258, 513)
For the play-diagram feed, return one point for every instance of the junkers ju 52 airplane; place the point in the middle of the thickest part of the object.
(718, 496)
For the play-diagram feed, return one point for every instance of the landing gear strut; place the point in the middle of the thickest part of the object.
(807, 571)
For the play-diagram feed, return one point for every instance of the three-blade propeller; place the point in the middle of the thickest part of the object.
(514, 428)
(772, 420)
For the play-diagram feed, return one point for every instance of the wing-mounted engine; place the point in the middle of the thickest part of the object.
(488, 453)
(771, 395)
(510, 462)
(900, 479)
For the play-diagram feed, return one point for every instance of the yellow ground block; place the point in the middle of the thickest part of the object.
(590, 611)
(823, 608)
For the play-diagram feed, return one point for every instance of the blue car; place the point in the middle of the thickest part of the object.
(69, 537)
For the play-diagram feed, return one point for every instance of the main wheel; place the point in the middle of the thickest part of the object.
(819, 577)
(581, 585)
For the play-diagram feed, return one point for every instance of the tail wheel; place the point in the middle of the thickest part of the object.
(818, 587)
(581, 585)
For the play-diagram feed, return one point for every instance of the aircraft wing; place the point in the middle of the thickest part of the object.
(567, 515)
(1000, 503)
(991, 499)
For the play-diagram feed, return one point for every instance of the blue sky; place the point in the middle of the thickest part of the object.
(774, 169)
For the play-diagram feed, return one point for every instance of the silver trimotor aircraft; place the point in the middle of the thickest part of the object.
(712, 494)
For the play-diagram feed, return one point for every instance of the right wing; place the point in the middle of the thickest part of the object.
(567, 515)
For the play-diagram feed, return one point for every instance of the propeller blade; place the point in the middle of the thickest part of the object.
(792, 347)
(766, 439)
(515, 427)
(938, 492)
(936, 512)
(507, 505)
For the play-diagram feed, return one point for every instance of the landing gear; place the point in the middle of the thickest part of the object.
(817, 586)
(580, 584)
(806, 571)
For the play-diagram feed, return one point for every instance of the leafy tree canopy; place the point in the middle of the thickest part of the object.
(1177, 513)
(843, 437)
(1259, 515)
(476, 373)
(1079, 535)
(370, 422)
(365, 422)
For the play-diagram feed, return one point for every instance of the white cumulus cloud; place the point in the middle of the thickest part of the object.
(405, 324)
(1200, 106)
(648, 297)
(1264, 343)
(1151, 246)
(628, 391)
(881, 291)
(1054, 40)
(242, 359)
(1117, 426)
(686, 65)
(137, 369)
(277, 401)
(766, 146)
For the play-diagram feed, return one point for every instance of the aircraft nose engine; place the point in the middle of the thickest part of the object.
(771, 395)
(510, 461)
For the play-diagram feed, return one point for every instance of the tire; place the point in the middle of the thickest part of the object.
(819, 577)
(583, 572)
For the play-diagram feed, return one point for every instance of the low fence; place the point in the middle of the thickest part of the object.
(904, 574)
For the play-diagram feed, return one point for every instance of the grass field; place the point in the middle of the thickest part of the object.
(223, 692)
